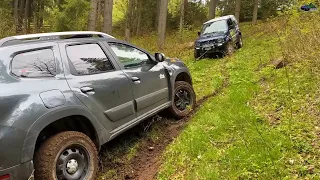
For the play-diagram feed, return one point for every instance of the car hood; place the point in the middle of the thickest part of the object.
(209, 37)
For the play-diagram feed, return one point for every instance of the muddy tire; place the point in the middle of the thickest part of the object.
(183, 100)
(196, 54)
(240, 43)
(67, 155)
(229, 49)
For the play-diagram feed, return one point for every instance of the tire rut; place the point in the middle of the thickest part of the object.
(146, 163)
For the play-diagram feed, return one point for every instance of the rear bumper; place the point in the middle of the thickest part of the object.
(21, 171)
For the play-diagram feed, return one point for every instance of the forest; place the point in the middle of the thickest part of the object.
(254, 119)
(128, 17)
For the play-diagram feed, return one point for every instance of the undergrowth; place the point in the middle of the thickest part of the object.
(265, 125)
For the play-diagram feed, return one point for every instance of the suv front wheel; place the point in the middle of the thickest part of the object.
(67, 156)
(183, 100)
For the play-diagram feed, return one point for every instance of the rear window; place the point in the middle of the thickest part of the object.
(39, 63)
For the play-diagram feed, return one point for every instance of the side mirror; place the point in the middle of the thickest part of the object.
(160, 57)
(199, 33)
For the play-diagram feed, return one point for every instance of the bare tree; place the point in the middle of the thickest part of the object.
(98, 17)
(129, 19)
(139, 18)
(255, 12)
(16, 14)
(212, 8)
(162, 23)
(27, 17)
(182, 15)
(107, 22)
(157, 13)
(92, 15)
(237, 10)
(21, 15)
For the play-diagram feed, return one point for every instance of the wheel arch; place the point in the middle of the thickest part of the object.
(183, 76)
(180, 75)
(68, 117)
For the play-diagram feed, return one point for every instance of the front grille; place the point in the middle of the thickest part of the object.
(208, 42)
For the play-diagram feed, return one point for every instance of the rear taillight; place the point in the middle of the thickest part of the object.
(5, 177)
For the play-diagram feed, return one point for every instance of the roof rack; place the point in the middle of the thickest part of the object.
(219, 18)
(51, 36)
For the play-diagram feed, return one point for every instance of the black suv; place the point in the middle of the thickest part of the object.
(65, 94)
(221, 35)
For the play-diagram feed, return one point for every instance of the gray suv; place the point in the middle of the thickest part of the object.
(65, 94)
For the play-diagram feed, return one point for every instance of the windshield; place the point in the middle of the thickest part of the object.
(214, 27)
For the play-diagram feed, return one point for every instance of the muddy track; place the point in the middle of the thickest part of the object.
(146, 163)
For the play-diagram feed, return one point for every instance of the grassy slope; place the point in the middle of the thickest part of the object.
(265, 124)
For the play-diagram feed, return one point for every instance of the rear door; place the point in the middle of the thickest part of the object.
(99, 83)
(149, 79)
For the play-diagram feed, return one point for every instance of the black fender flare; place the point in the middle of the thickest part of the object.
(175, 75)
(52, 116)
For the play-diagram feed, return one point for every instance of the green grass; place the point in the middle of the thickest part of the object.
(264, 125)
(207, 74)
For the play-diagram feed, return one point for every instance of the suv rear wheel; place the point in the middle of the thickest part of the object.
(183, 100)
(67, 156)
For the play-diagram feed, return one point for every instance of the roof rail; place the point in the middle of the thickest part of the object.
(51, 36)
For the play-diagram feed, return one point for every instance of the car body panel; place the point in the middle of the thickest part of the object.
(28, 105)
(217, 42)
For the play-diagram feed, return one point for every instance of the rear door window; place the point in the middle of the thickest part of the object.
(39, 63)
(89, 59)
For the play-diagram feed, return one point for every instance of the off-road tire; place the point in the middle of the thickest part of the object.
(229, 49)
(173, 109)
(47, 155)
(197, 54)
(240, 43)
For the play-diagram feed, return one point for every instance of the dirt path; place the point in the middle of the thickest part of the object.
(147, 160)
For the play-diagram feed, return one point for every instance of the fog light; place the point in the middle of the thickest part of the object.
(5, 177)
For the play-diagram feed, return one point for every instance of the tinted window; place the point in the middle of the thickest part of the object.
(214, 27)
(89, 59)
(129, 56)
(231, 24)
(38, 63)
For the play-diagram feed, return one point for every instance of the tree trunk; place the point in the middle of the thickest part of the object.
(255, 12)
(157, 13)
(140, 8)
(182, 16)
(41, 14)
(237, 10)
(27, 17)
(129, 19)
(127, 35)
(107, 23)
(98, 17)
(162, 23)
(21, 15)
(92, 15)
(212, 9)
(37, 16)
(16, 14)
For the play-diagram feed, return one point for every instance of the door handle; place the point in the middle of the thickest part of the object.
(136, 80)
(86, 89)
